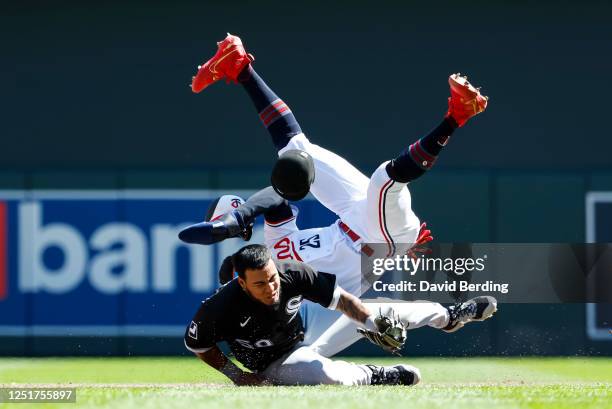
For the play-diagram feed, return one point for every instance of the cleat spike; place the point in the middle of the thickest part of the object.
(228, 62)
(466, 100)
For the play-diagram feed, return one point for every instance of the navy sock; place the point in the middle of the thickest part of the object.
(273, 112)
(421, 155)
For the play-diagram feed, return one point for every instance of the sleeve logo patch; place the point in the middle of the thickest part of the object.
(193, 330)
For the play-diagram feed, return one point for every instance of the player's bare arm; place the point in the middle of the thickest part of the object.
(217, 359)
(387, 332)
(353, 308)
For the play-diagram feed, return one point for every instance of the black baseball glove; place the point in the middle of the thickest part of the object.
(391, 334)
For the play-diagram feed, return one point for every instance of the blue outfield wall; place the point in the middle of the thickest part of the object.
(108, 263)
(99, 270)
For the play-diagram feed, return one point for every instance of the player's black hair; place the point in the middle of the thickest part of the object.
(226, 271)
(253, 256)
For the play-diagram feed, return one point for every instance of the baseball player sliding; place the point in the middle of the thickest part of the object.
(258, 314)
(375, 210)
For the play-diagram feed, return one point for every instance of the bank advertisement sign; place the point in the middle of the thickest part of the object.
(108, 263)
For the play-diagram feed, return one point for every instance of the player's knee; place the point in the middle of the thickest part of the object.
(403, 171)
(380, 175)
(297, 141)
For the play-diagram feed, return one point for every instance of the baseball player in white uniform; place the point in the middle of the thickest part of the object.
(370, 210)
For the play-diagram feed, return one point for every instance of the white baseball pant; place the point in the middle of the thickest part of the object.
(330, 332)
(310, 363)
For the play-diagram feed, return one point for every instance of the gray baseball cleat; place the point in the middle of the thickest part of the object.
(395, 375)
(476, 309)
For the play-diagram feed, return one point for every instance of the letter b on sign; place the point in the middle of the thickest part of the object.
(34, 239)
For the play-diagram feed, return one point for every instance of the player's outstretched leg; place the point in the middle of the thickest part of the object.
(465, 102)
(343, 333)
(390, 218)
(338, 184)
(233, 63)
(274, 113)
(305, 366)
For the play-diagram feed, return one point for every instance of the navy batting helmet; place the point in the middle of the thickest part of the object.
(293, 173)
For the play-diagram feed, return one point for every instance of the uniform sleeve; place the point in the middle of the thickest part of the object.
(317, 286)
(203, 331)
(280, 222)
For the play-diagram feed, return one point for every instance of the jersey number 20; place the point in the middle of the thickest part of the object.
(262, 343)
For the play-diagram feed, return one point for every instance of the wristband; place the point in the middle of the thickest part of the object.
(369, 324)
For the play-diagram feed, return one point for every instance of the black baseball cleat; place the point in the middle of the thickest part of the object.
(476, 309)
(227, 226)
(395, 375)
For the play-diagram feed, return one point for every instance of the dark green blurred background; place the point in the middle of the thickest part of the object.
(102, 88)
(95, 95)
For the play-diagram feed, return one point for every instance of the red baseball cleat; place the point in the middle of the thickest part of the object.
(465, 100)
(228, 62)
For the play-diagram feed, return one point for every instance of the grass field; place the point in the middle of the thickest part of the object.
(447, 383)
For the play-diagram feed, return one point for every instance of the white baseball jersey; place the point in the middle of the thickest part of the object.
(326, 249)
(376, 210)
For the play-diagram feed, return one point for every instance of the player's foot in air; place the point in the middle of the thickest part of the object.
(209, 232)
(476, 309)
(395, 375)
(465, 100)
(228, 62)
